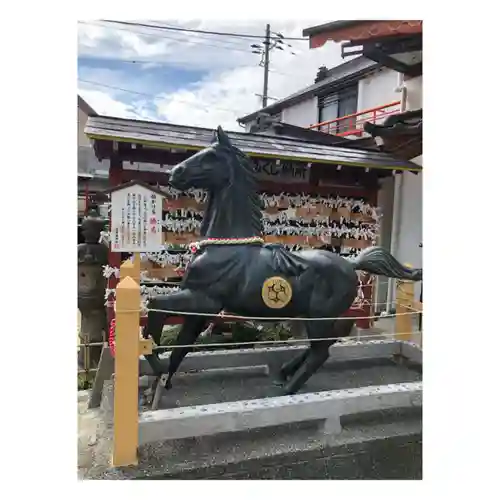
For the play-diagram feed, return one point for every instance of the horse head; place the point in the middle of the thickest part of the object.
(206, 169)
(234, 206)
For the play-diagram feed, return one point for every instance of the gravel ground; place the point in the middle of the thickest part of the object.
(205, 388)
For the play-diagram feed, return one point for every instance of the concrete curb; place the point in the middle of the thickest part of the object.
(83, 395)
(205, 420)
(274, 357)
(267, 358)
(412, 352)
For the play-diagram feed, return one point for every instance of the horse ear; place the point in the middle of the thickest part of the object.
(222, 137)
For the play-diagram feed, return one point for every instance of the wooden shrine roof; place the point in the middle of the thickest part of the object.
(339, 31)
(401, 134)
(165, 135)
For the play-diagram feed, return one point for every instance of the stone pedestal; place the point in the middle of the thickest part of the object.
(92, 256)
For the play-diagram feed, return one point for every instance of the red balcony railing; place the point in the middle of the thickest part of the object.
(353, 124)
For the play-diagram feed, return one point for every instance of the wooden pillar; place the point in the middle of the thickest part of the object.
(114, 258)
(126, 392)
(405, 293)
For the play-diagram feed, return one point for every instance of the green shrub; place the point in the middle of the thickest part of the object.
(245, 332)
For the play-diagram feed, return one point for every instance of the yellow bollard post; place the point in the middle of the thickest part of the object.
(405, 291)
(126, 269)
(132, 269)
(126, 394)
(137, 267)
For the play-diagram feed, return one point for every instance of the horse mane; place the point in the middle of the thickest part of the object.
(246, 176)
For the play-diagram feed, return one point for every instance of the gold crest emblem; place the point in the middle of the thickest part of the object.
(276, 292)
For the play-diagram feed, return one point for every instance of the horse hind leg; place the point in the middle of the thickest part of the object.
(290, 367)
(315, 357)
(340, 329)
(317, 354)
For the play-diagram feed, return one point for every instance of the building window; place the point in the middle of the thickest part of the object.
(336, 105)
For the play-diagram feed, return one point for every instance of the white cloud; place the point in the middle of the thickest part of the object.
(222, 98)
(228, 91)
(104, 104)
(190, 50)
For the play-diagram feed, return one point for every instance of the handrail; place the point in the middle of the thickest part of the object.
(378, 112)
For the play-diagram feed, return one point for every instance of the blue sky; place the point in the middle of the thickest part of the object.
(189, 79)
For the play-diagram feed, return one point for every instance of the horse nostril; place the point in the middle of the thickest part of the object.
(177, 177)
(176, 172)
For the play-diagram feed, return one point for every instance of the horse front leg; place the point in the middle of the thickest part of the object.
(154, 329)
(176, 304)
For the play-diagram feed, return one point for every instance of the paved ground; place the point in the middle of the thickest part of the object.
(196, 389)
(94, 442)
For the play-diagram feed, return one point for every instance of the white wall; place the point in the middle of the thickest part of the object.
(374, 90)
(380, 88)
(377, 89)
(414, 93)
(82, 121)
(410, 233)
(412, 193)
(303, 114)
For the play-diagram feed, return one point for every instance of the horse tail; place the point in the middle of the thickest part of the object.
(377, 260)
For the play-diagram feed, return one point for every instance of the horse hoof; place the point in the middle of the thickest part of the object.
(275, 391)
(280, 378)
(165, 382)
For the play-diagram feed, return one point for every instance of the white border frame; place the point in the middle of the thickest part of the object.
(461, 181)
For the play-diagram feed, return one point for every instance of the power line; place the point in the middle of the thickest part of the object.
(266, 46)
(166, 63)
(217, 33)
(116, 88)
(135, 61)
(237, 45)
(189, 38)
(163, 63)
(269, 97)
(238, 42)
(112, 87)
(286, 74)
(176, 40)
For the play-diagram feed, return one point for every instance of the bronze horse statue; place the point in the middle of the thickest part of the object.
(233, 270)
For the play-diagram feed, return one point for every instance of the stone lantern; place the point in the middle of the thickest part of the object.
(92, 256)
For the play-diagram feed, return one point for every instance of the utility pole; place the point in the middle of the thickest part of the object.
(267, 45)
(264, 50)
